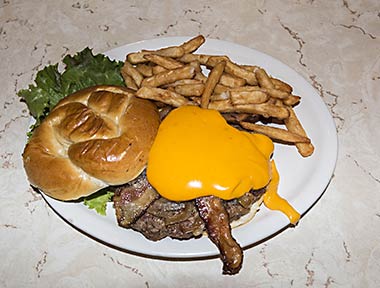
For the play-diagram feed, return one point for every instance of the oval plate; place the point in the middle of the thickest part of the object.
(303, 180)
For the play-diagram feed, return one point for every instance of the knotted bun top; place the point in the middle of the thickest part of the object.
(94, 138)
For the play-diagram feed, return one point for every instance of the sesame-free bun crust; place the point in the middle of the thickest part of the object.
(94, 138)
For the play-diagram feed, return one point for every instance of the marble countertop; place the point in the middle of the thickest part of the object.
(334, 45)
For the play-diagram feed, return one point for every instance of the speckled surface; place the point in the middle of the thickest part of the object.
(334, 45)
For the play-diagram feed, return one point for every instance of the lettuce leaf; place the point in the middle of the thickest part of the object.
(98, 201)
(81, 71)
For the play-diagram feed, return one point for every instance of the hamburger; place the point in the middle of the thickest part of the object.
(174, 169)
(104, 136)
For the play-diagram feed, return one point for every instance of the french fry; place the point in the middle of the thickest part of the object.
(246, 88)
(211, 82)
(166, 62)
(183, 82)
(138, 57)
(201, 58)
(265, 109)
(251, 68)
(220, 96)
(173, 52)
(277, 102)
(240, 72)
(128, 80)
(133, 72)
(215, 59)
(220, 88)
(275, 93)
(291, 100)
(234, 69)
(144, 69)
(191, 90)
(275, 133)
(281, 85)
(278, 84)
(247, 97)
(231, 81)
(278, 94)
(158, 69)
(274, 101)
(163, 95)
(221, 105)
(294, 125)
(193, 44)
(170, 76)
(263, 79)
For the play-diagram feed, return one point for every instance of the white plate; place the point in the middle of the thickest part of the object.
(303, 180)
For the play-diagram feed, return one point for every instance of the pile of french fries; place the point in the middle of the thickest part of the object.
(177, 76)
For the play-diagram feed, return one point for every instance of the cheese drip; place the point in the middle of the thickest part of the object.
(274, 201)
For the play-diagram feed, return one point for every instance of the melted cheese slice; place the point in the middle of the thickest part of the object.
(197, 153)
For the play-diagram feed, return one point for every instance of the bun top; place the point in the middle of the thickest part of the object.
(94, 138)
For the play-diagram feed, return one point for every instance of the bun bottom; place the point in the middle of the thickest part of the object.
(249, 216)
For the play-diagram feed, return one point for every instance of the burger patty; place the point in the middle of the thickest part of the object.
(170, 219)
(138, 206)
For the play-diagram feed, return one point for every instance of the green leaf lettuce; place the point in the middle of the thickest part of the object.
(98, 201)
(81, 71)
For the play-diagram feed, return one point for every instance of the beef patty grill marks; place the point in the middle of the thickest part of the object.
(139, 207)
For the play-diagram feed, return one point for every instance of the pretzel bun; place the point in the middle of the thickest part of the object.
(94, 138)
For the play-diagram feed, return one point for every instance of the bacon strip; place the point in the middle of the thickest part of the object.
(132, 200)
(215, 216)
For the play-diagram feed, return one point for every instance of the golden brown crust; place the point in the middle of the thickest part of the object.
(94, 138)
